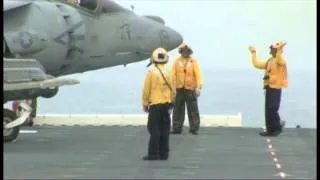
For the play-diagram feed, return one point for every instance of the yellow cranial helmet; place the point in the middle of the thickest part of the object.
(278, 44)
(160, 55)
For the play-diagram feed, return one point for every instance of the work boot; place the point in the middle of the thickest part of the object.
(164, 157)
(148, 158)
(176, 132)
(193, 132)
(30, 122)
(283, 124)
(276, 133)
(264, 133)
(270, 134)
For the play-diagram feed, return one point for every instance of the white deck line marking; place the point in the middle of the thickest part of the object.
(28, 131)
(275, 160)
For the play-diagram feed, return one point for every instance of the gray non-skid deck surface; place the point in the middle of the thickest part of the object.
(116, 151)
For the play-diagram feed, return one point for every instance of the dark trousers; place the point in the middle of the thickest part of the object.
(159, 128)
(186, 97)
(272, 105)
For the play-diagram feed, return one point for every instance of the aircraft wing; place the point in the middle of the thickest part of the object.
(22, 74)
(10, 5)
(50, 83)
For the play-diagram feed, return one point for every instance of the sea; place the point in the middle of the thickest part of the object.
(118, 90)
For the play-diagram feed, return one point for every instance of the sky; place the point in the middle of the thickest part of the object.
(221, 31)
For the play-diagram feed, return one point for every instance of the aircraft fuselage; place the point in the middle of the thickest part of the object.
(68, 39)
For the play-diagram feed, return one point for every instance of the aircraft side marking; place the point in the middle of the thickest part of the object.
(72, 37)
(125, 32)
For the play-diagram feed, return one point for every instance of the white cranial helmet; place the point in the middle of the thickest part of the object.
(160, 55)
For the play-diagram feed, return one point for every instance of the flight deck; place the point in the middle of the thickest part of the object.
(114, 151)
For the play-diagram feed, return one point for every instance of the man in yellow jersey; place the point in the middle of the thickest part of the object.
(274, 80)
(157, 99)
(186, 73)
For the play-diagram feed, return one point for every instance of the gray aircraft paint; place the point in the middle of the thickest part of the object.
(67, 39)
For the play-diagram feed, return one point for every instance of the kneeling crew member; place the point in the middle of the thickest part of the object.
(158, 96)
(274, 80)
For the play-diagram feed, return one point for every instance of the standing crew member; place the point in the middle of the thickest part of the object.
(274, 80)
(157, 98)
(188, 80)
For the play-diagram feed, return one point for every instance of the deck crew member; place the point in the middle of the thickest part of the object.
(157, 99)
(187, 75)
(275, 79)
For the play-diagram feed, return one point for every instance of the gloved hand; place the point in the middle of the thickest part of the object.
(252, 49)
(171, 105)
(145, 108)
(198, 90)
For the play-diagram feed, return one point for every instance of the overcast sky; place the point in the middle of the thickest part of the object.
(220, 31)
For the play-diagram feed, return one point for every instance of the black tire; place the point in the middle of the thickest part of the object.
(10, 135)
(49, 93)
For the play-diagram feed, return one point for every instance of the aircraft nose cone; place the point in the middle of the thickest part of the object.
(169, 38)
(161, 36)
(175, 39)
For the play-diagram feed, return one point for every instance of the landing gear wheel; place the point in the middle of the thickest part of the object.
(50, 92)
(11, 134)
(30, 123)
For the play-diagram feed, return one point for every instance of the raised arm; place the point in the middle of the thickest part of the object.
(256, 63)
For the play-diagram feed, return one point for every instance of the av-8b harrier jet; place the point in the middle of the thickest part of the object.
(45, 39)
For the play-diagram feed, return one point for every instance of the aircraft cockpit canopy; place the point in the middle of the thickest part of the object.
(108, 6)
(89, 4)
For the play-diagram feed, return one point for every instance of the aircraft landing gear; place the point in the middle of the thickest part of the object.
(12, 123)
(9, 134)
(33, 115)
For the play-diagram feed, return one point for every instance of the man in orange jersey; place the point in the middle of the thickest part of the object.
(188, 81)
(275, 79)
(157, 99)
